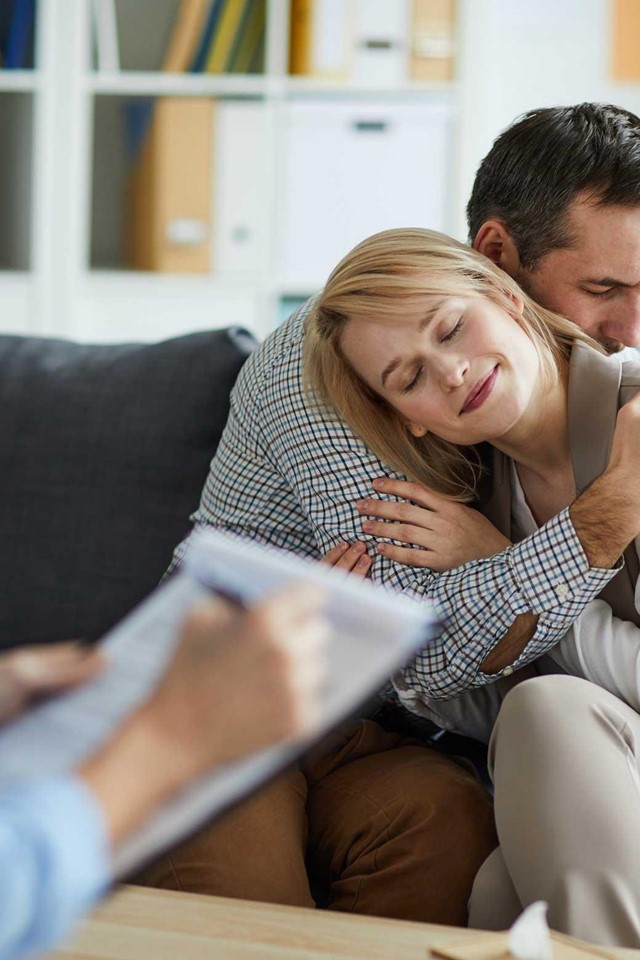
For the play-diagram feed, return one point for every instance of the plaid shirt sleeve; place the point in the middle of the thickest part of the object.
(289, 474)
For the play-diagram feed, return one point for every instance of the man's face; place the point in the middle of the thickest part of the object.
(596, 281)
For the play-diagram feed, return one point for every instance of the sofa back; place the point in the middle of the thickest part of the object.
(103, 454)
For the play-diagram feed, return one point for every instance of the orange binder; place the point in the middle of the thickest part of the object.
(625, 41)
(169, 209)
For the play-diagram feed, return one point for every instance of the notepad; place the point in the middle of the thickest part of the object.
(373, 632)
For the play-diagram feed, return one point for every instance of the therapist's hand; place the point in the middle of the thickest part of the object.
(440, 534)
(35, 671)
(239, 681)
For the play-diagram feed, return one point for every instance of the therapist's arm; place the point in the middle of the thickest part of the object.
(239, 682)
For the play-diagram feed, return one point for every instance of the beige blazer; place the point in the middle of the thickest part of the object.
(598, 387)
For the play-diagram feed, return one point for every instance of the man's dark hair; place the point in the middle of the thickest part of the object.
(537, 166)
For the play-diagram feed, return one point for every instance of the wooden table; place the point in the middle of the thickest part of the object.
(143, 924)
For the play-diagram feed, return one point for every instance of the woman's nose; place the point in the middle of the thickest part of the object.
(452, 372)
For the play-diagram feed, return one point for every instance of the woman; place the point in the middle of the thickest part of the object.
(431, 353)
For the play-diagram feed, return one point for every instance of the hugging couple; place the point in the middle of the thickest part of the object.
(456, 422)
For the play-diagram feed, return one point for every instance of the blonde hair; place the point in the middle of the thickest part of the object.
(390, 271)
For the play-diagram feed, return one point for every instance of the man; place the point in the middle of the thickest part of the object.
(556, 203)
(381, 836)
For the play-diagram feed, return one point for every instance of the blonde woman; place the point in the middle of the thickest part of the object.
(457, 380)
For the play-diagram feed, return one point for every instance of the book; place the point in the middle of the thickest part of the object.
(187, 31)
(18, 53)
(169, 189)
(224, 36)
(210, 27)
(373, 632)
(247, 54)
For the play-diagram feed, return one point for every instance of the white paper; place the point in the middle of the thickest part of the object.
(529, 937)
(373, 633)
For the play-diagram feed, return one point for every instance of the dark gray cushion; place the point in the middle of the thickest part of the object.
(103, 454)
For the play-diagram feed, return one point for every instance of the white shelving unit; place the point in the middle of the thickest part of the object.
(61, 272)
(61, 281)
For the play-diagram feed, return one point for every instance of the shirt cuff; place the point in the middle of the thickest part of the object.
(68, 836)
(551, 569)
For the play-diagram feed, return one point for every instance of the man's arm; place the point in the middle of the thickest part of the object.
(604, 520)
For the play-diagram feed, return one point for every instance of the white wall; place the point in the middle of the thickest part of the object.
(522, 54)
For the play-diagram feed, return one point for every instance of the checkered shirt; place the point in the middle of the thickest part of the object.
(289, 473)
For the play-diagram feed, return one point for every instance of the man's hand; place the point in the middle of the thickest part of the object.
(440, 533)
(36, 671)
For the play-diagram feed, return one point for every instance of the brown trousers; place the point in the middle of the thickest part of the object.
(378, 825)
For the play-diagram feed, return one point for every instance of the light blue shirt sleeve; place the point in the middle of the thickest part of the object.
(54, 863)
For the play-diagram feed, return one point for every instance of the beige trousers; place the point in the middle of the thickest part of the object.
(565, 761)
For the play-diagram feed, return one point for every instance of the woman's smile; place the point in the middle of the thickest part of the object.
(481, 391)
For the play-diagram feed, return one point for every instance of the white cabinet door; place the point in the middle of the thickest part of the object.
(352, 169)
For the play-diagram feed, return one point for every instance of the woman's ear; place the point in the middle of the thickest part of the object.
(415, 429)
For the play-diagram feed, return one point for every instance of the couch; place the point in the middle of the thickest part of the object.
(103, 454)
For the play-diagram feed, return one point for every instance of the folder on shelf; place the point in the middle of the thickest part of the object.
(432, 44)
(321, 38)
(169, 200)
(188, 29)
(625, 34)
(214, 9)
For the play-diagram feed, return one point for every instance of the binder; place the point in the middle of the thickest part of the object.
(432, 45)
(188, 29)
(169, 208)
(241, 183)
(625, 55)
(381, 49)
(321, 38)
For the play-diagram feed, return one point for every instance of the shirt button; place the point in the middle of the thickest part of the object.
(562, 590)
(506, 672)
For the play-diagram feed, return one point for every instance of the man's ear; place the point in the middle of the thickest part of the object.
(495, 242)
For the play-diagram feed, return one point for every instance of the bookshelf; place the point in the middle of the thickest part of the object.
(63, 265)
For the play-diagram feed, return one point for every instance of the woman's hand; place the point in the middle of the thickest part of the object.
(30, 672)
(350, 557)
(450, 534)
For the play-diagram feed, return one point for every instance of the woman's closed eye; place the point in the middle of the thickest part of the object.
(454, 332)
(414, 383)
